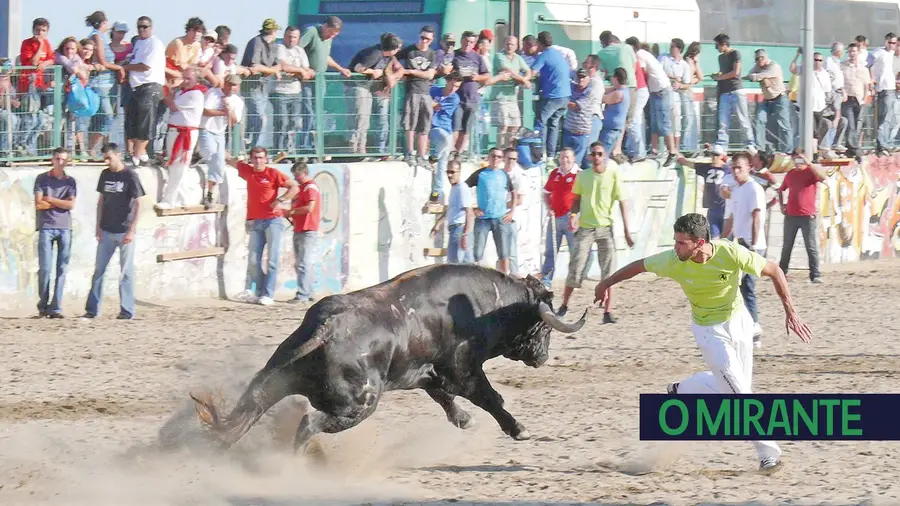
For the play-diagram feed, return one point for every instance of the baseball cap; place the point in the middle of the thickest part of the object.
(582, 72)
(449, 37)
(211, 35)
(270, 25)
(487, 33)
(233, 79)
(120, 26)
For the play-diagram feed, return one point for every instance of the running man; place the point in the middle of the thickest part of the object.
(710, 272)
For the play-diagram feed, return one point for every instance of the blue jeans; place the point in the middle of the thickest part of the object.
(108, 244)
(609, 137)
(102, 120)
(579, 144)
(305, 140)
(549, 115)
(510, 234)
(494, 226)
(304, 256)
(288, 119)
(780, 109)
(748, 292)
(636, 142)
(556, 231)
(256, 111)
(661, 113)
(734, 101)
(262, 233)
(886, 118)
(455, 253)
(63, 240)
(442, 143)
(690, 133)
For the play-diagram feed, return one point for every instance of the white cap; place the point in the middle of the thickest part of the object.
(120, 26)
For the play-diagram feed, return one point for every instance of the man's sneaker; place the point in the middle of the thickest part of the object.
(757, 335)
(752, 150)
(124, 316)
(266, 301)
(410, 158)
(163, 205)
(86, 317)
(562, 310)
(207, 200)
(817, 281)
(245, 296)
(769, 465)
(672, 388)
(608, 318)
(669, 160)
(56, 316)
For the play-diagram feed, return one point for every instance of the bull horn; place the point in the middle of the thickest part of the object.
(556, 324)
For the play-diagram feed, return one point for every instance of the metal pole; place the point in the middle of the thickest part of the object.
(806, 79)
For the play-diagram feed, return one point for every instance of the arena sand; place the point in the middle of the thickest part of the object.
(82, 405)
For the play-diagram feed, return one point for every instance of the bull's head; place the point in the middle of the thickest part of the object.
(533, 346)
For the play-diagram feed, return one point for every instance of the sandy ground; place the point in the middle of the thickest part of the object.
(81, 406)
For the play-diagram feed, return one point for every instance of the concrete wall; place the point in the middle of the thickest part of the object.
(373, 228)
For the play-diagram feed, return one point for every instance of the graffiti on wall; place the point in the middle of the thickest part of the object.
(860, 211)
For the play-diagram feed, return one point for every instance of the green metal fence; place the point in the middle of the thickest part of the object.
(328, 117)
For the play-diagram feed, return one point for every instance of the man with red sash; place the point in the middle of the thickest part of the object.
(185, 112)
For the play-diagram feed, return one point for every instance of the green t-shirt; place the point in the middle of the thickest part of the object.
(614, 56)
(598, 193)
(317, 50)
(713, 288)
(507, 91)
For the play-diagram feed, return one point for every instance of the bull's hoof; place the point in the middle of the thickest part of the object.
(463, 420)
(520, 433)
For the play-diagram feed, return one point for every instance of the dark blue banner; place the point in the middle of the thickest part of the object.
(782, 417)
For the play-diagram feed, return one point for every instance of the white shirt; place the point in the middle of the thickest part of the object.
(151, 52)
(833, 66)
(517, 176)
(744, 199)
(598, 89)
(657, 80)
(883, 70)
(821, 85)
(679, 70)
(207, 55)
(570, 55)
(212, 99)
(290, 84)
(190, 109)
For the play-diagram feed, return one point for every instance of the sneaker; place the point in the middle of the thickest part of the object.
(265, 301)
(56, 316)
(163, 205)
(769, 465)
(207, 200)
(608, 318)
(245, 296)
(669, 160)
(817, 281)
(672, 388)
(752, 150)
(562, 311)
(124, 316)
(299, 300)
(87, 317)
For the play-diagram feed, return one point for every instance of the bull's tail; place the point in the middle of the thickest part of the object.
(265, 390)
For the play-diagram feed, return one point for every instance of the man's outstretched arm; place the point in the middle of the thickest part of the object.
(629, 271)
(792, 320)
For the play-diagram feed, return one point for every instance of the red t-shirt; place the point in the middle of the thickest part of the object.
(640, 76)
(801, 187)
(559, 187)
(308, 222)
(30, 48)
(262, 190)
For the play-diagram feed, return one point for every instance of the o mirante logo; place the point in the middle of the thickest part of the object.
(747, 417)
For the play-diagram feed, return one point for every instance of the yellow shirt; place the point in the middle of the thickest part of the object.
(713, 287)
(598, 193)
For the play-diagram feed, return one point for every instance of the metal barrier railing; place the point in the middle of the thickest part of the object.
(329, 116)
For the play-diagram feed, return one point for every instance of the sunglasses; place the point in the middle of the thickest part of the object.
(143, 27)
(597, 153)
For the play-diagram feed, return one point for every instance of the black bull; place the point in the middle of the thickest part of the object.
(430, 328)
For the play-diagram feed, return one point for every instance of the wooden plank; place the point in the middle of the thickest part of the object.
(433, 208)
(186, 255)
(198, 209)
(842, 162)
(435, 252)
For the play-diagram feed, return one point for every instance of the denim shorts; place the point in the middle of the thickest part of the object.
(661, 112)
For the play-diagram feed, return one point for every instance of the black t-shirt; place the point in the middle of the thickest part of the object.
(118, 190)
(414, 59)
(371, 58)
(712, 179)
(727, 63)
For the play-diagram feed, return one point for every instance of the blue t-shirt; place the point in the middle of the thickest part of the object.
(460, 200)
(442, 119)
(555, 75)
(469, 65)
(712, 180)
(614, 115)
(59, 188)
(492, 187)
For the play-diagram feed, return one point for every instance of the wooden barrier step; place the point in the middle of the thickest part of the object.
(198, 209)
(187, 255)
(435, 252)
(433, 208)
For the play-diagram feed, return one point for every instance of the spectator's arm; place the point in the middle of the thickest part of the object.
(99, 56)
(336, 66)
(66, 204)
(39, 203)
(292, 190)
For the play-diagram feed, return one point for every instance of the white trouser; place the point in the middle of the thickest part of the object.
(173, 192)
(727, 349)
